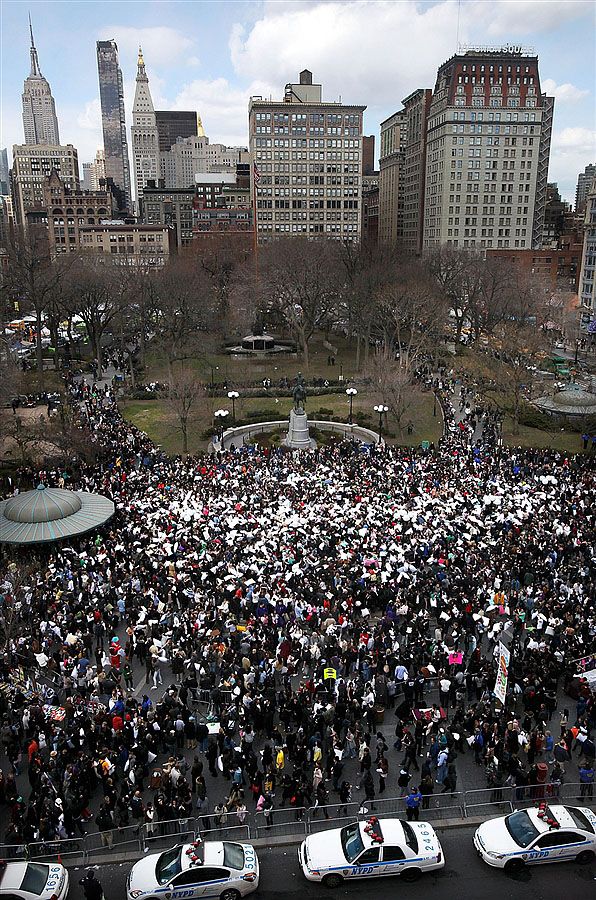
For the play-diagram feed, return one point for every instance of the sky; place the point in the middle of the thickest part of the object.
(212, 56)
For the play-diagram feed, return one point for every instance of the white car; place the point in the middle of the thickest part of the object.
(372, 848)
(33, 881)
(219, 869)
(539, 835)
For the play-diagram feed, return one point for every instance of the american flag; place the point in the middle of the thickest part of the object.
(256, 174)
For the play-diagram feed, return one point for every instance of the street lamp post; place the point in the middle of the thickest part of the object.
(220, 415)
(214, 369)
(233, 395)
(381, 409)
(351, 392)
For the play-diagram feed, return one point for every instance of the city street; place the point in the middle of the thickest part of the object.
(282, 878)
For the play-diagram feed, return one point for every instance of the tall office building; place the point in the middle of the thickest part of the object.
(40, 123)
(307, 156)
(585, 180)
(144, 134)
(391, 171)
(111, 93)
(587, 277)
(175, 124)
(4, 173)
(32, 166)
(487, 152)
(416, 107)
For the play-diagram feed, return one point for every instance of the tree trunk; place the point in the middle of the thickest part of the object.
(516, 406)
(39, 351)
(305, 355)
(132, 371)
(358, 342)
(184, 427)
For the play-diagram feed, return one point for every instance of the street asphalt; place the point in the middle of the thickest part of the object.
(465, 877)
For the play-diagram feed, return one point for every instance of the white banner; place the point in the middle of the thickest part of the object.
(502, 673)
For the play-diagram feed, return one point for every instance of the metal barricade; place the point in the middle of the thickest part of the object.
(106, 843)
(157, 835)
(14, 851)
(488, 801)
(316, 825)
(335, 810)
(283, 821)
(74, 849)
(209, 828)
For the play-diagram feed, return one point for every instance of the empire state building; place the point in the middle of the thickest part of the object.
(39, 111)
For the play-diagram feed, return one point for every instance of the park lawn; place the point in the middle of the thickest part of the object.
(565, 441)
(156, 418)
(238, 370)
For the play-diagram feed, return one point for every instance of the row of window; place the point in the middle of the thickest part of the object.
(312, 118)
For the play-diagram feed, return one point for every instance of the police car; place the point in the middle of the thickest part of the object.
(543, 834)
(33, 881)
(219, 869)
(373, 848)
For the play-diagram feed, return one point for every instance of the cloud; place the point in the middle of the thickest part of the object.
(505, 18)
(563, 93)
(162, 46)
(223, 107)
(349, 47)
(90, 118)
(571, 150)
(379, 51)
(583, 139)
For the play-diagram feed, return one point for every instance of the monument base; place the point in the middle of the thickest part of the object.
(298, 437)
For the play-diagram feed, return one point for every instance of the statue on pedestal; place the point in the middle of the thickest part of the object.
(298, 437)
(299, 393)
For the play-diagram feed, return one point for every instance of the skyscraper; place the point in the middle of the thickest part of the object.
(174, 124)
(4, 173)
(296, 143)
(144, 134)
(487, 152)
(111, 93)
(585, 180)
(391, 164)
(40, 124)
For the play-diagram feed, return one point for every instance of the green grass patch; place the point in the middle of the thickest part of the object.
(156, 418)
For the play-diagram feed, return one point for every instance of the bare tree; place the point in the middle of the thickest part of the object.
(408, 310)
(507, 369)
(184, 393)
(183, 311)
(96, 296)
(301, 281)
(32, 279)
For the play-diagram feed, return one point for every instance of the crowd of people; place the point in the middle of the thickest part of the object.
(242, 577)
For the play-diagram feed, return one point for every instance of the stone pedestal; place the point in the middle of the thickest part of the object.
(298, 437)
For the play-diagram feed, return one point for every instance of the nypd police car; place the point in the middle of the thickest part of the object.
(218, 869)
(544, 834)
(33, 881)
(370, 849)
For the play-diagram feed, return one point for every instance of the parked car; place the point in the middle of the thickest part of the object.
(33, 881)
(544, 834)
(377, 847)
(219, 869)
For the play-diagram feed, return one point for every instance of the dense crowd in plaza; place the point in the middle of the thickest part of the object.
(242, 576)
